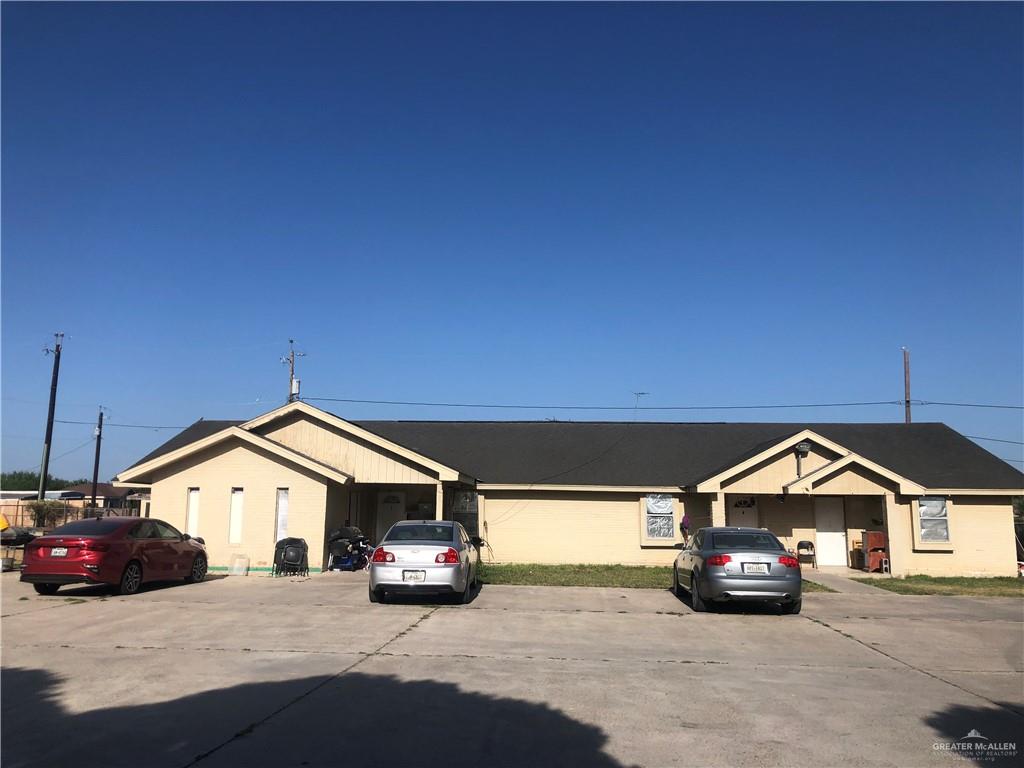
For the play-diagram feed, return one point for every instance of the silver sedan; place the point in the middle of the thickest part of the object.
(425, 557)
(725, 564)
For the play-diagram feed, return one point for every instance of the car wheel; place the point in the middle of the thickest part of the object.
(131, 579)
(374, 595)
(46, 589)
(696, 601)
(677, 588)
(198, 572)
(793, 607)
(467, 595)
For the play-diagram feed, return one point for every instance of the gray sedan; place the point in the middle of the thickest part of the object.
(425, 557)
(724, 564)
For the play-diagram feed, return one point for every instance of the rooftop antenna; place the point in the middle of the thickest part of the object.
(906, 385)
(636, 403)
(289, 360)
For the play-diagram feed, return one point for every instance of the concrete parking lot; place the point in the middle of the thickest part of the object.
(305, 672)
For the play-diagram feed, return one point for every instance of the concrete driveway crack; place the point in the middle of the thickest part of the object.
(257, 723)
(908, 665)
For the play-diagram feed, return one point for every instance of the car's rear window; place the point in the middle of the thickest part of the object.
(90, 527)
(744, 540)
(420, 532)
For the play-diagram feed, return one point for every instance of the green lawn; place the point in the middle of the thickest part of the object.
(813, 586)
(1000, 586)
(631, 576)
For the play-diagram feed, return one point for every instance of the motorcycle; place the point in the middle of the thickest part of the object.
(348, 550)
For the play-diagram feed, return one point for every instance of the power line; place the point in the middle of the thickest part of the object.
(970, 405)
(520, 406)
(76, 448)
(111, 424)
(995, 439)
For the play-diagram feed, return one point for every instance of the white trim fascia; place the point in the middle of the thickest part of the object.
(226, 434)
(805, 484)
(714, 483)
(444, 472)
(595, 488)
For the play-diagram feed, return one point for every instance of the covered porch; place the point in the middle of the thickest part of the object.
(809, 489)
(375, 507)
(835, 525)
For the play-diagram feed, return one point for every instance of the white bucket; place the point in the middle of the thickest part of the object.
(239, 565)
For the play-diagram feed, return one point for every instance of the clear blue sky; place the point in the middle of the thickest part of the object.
(726, 204)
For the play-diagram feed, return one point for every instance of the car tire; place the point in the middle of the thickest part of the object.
(131, 579)
(198, 571)
(677, 588)
(696, 601)
(792, 608)
(46, 589)
(467, 594)
(375, 596)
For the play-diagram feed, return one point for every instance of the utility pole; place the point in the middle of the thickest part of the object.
(906, 385)
(44, 465)
(289, 360)
(96, 461)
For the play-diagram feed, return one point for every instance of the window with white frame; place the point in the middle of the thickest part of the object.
(933, 520)
(235, 517)
(281, 515)
(659, 520)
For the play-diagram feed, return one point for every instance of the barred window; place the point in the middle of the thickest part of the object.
(658, 517)
(933, 518)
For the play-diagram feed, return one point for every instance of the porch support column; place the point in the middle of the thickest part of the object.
(439, 504)
(901, 538)
(718, 509)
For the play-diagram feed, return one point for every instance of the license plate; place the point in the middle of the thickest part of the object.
(414, 575)
(755, 567)
(59, 552)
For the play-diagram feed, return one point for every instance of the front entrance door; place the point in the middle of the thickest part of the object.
(830, 523)
(390, 509)
(742, 512)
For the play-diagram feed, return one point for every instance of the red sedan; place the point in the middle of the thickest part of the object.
(121, 551)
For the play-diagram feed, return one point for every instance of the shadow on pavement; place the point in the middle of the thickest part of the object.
(980, 734)
(409, 598)
(753, 608)
(107, 590)
(356, 718)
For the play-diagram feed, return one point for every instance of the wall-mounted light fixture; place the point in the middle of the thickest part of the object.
(802, 449)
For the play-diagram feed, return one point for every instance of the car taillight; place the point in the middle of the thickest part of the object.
(96, 546)
(451, 557)
(718, 560)
(789, 561)
(381, 555)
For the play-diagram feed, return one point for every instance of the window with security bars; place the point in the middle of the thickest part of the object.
(933, 519)
(659, 519)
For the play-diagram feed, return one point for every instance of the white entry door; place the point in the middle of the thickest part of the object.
(742, 512)
(390, 509)
(830, 539)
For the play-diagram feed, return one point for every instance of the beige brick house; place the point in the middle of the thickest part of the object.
(588, 492)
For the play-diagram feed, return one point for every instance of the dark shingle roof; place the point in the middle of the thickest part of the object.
(662, 454)
(106, 490)
(644, 453)
(190, 434)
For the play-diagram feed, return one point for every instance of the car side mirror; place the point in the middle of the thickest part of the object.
(476, 541)
(185, 537)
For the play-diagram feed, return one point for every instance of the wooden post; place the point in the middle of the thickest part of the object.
(439, 503)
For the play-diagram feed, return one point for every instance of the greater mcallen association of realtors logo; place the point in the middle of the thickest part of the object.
(976, 747)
